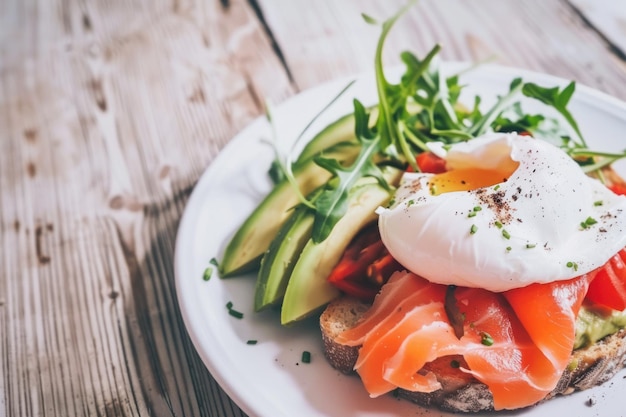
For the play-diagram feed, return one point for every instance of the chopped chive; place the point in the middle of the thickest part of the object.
(498, 224)
(508, 248)
(306, 357)
(471, 214)
(236, 314)
(232, 311)
(572, 265)
(598, 203)
(477, 208)
(433, 190)
(473, 229)
(589, 221)
(530, 245)
(207, 273)
(505, 234)
(213, 262)
(410, 203)
(497, 187)
(486, 339)
(251, 342)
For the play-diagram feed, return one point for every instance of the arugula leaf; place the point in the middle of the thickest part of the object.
(332, 203)
(485, 122)
(557, 98)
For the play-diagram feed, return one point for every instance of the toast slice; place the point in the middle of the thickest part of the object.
(460, 391)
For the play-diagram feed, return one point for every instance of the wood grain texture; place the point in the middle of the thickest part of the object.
(544, 36)
(110, 112)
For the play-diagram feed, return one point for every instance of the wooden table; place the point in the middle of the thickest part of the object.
(111, 110)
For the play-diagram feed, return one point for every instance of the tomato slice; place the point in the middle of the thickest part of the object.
(608, 288)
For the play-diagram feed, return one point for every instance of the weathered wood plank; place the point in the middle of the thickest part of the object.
(109, 115)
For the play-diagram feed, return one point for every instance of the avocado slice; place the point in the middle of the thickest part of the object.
(308, 289)
(243, 252)
(280, 258)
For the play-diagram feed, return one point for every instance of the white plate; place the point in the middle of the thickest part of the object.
(268, 379)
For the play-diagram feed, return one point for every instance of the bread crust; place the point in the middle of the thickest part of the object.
(460, 391)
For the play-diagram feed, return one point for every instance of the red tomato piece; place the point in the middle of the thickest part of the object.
(608, 288)
(430, 163)
(618, 189)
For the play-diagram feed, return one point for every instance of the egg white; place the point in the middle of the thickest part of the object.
(527, 229)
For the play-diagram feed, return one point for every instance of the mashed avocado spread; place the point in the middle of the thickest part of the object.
(594, 324)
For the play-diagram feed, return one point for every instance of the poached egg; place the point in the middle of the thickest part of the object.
(510, 211)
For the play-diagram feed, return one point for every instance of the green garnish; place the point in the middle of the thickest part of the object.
(589, 221)
(598, 203)
(306, 357)
(530, 245)
(473, 229)
(505, 234)
(471, 214)
(486, 339)
(477, 208)
(251, 342)
(232, 311)
(572, 265)
(208, 272)
(508, 248)
(498, 224)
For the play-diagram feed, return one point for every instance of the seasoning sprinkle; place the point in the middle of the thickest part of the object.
(251, 342)
(306, 357)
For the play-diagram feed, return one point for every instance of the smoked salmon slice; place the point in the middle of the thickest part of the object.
(517, 343)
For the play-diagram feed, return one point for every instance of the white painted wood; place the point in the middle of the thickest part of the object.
(608, 17)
